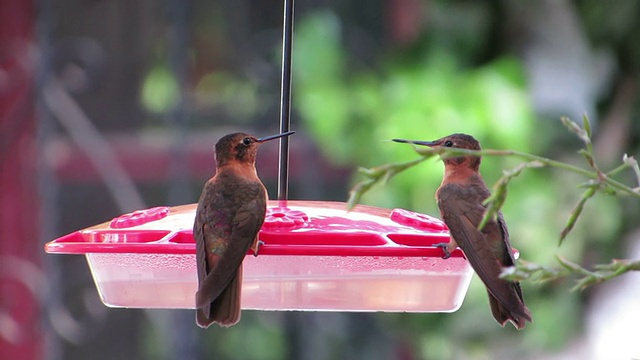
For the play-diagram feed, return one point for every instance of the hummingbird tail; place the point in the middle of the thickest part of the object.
(502, 314)
(225, 309)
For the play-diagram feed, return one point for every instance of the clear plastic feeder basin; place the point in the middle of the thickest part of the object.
(316, 257)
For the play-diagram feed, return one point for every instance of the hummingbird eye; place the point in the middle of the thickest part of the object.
(448, 143)
(246, 141)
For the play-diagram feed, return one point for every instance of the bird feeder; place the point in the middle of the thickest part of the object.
(316, 256)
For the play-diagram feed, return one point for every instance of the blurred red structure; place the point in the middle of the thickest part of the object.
(20, 330)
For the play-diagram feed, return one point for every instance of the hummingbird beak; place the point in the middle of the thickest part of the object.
(417, 142)
(271, 137)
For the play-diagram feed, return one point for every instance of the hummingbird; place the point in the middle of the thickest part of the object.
(229, 215)
(460, 200)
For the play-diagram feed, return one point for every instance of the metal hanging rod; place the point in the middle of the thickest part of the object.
(285, 101)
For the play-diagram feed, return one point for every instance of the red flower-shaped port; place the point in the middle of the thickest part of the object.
(417, 221)
(139, 217)
(283, 218)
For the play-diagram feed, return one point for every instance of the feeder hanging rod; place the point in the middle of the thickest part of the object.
(285, 100)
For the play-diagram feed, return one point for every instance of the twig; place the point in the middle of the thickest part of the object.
(382, 173)
(376, 174)
(575, 212)
(603, 272)
(499, 195)
(531, 271)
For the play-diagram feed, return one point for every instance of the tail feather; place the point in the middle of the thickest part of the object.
(225, 309)
(502, 314)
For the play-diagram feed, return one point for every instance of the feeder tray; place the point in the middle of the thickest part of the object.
(316, 256)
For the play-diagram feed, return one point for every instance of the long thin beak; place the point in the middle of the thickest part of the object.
(416, 142)
(271, 137)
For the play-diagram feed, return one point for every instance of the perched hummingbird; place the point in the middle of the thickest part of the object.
(230, 213)
(460, 198)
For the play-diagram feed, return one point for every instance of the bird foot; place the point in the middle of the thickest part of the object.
(257, 248)
(445, 249)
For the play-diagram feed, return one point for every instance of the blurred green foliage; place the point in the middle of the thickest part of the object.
(261, 341)
(237, 96)
(160, 90)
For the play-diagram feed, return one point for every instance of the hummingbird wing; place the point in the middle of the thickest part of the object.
(488, 251)
(227, 222)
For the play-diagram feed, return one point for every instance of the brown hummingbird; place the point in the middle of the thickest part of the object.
(460, 199)
(229, 216)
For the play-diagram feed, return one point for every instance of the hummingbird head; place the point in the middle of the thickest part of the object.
(241, 147)
(458, 141)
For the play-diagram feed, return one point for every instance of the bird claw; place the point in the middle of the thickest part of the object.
(257, 248)
(445, 249)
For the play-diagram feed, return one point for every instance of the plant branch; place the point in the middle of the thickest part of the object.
(382, 173)
(389, 170)
(603, 272)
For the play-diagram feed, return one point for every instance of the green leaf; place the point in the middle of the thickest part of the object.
(499, 195)
(575, 213)
(574, 128)
(586, 125)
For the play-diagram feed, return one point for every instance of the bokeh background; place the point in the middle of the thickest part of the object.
(111, 106)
